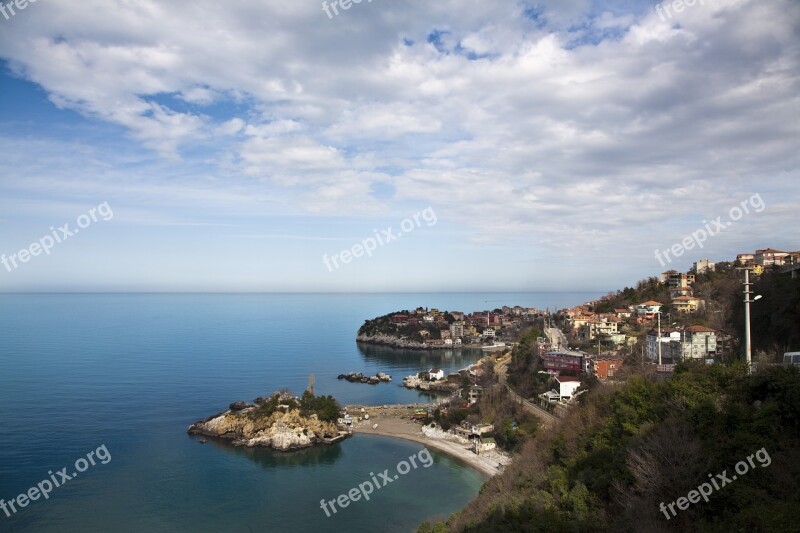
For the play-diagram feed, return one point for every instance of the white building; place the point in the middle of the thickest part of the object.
(567, 386)
(435, 374)
(703, 266)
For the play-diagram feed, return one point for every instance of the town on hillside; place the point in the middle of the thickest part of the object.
(431, 328)
(683, 320)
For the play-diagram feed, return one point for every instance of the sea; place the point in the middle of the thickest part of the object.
(104, 386)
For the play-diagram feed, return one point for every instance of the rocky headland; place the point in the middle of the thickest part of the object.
(395, 342)
(281, 422)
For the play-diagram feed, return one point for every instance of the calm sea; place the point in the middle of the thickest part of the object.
(132, 371)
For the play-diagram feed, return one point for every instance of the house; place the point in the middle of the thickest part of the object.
(444, 334)
(485, 444)
(700, 342)
(457, 329)
(702, 266)
(745, 260)
(606, 327)
(666, 275)
(482, 429)
(622, 313)
(680, 291)
(668, 336)
(694, 342)
(488, 332)
(567, 386)
(399, 319)
(770, 257)
(555, 362)
(474, 394)
(648, 310)
(686, 304)
(435, 374)
(680, 280)
(605, 366)
(579, 321)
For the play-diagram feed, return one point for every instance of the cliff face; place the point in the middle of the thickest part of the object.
(281, 430)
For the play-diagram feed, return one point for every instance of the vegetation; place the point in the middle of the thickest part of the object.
(325, 407)
(524, 370)
(625, 450)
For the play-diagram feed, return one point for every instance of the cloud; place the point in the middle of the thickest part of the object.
(585, 121)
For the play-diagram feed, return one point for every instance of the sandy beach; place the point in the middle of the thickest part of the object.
(395, 421)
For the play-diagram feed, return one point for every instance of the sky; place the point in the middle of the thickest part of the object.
(399, 145)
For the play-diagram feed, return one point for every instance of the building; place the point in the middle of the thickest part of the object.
(605, 366)
(770, 257)
(604, 327)
(567, 386)
(668, 336)
(622, 313)
(399, 319)
(745, 260)
(686, 304)
(694, 342)
(648, 310)
(474, 394)
(680, 280)
(457, 329)
(702, 266)
(556, 362)
(699, 343)
(485, 444)
(435, 374)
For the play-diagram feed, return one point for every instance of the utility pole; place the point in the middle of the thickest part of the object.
(659, 338)
(747, 301)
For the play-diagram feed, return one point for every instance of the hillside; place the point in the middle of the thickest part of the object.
(613, 460)
(626, 449)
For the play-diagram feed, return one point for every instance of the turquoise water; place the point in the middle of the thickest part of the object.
(131, 372)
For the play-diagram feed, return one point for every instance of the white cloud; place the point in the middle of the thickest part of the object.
(586, 121)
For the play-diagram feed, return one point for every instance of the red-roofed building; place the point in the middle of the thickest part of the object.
(605, 366)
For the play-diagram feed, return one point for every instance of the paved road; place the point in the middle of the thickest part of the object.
(557, 339)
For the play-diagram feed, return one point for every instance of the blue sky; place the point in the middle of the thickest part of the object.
(559, 144)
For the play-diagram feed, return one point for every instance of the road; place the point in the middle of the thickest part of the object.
(557, 338)
(500, 370)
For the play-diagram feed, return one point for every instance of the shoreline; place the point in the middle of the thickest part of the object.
(391, 423)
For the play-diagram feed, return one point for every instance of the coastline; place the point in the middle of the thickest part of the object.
(391, 423)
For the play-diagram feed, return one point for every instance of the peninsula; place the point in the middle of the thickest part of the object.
(431, 329)
(282, 421)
